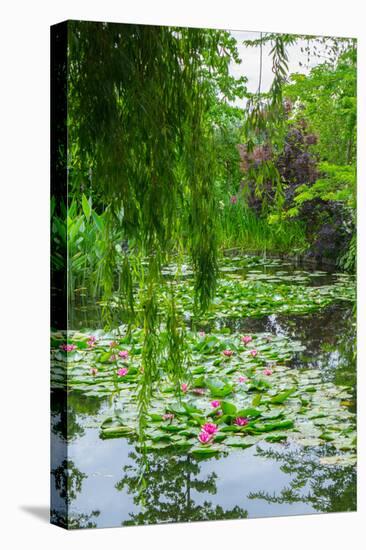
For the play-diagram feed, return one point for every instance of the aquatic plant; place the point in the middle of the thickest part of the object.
(122, 372)
(209, 428)
(204, 437)
(288, 405)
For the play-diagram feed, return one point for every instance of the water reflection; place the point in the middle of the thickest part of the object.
(329, 337)
(95, 483)
(326, 488)
(68, 417)
(68, 414)
(262, 481)
(170, 490)
(67, 483)
(75, 521)
(68, 480)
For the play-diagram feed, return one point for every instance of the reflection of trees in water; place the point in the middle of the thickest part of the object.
(68, 480)
(325, 488)
(69, 413)
(168, 494)
(68, 483)
(329, 336)
(75, 521)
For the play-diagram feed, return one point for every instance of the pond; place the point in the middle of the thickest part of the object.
(314, 329)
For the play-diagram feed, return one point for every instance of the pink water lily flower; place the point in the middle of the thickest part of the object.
(123, 354)
(184, 387)
(93, 371)
(198, 391)
(204, 437)
(168, 416)
(215, 403)
(228, 352)
(91, 341)
(240, 421)
(122, 372)
(202, 333)
(268, 372)
(242, 379)
(253, 352)
(246, 339)
(68, 347)
(209, 428)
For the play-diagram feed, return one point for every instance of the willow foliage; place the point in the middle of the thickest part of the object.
(144, 105)
(139, 98)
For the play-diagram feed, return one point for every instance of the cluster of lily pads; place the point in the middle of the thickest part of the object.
(245, 293)
(238, 298)
(238, 390)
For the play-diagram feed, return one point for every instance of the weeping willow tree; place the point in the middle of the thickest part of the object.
(139, 127)
(138, 98)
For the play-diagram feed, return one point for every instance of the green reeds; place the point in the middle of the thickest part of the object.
(241, 227)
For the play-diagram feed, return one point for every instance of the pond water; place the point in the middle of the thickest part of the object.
(99, 479)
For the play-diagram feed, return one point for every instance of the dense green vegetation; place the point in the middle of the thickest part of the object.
(166, 172)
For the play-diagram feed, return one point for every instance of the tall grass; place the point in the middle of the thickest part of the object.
(241, 227)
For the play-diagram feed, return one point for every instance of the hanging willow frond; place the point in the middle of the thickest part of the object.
(139, 98)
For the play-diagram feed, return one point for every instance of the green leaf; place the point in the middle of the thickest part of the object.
(276, 438)
(86, 206)
(269, 426)
(104, 358)
(282, 396)
(117, 431)
(228, 408)
(256, 400)
(190, 409)
(240, 441)
(249, 413)
(205, 451)
(219, 388)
